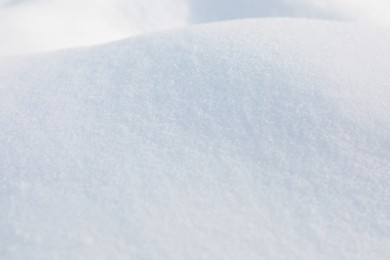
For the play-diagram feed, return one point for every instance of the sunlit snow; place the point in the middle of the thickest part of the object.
(261, 138)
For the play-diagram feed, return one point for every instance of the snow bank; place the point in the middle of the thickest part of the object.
(39, 25)
(241, 140)
(218, 10)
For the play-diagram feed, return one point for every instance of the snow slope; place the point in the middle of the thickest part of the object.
(28, 26)
(241, 140)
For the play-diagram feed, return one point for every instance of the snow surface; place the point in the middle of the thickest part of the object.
(28, 26)
(253, 139)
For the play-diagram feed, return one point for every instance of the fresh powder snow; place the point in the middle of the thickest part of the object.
(250, 139)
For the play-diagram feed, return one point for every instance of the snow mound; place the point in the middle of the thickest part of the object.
(241, 140)
(28, 26)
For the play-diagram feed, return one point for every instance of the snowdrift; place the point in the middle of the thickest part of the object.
(242, 140)
(29, 26)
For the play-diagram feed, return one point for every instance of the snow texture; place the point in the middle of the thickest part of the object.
(252, 139)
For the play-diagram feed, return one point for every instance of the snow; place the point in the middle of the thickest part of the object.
(28, 26)
(40, 25)
(260, 138)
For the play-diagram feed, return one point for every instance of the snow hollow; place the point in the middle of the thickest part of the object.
(252, 139)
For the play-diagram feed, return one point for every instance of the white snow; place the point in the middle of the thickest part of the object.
(252, 139)
(40, 25)
(28, 26)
